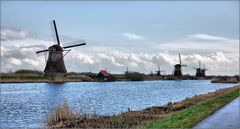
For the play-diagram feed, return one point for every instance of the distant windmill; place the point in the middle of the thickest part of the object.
(200, 72)
(178, 68)
(55, 62)
(203, 70)
(159, 71)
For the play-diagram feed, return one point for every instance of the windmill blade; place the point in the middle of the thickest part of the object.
(199, 63)
(42, 51)
(158, 68)
(180, 59)
(74, 45)
(55, 32)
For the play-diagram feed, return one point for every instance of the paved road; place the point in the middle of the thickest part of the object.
(228, 117)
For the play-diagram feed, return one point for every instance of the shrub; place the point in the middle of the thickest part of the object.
(134, 76)
(27, 71)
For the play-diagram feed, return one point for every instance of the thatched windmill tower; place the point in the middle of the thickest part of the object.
(178, 68)
(55, 63)
(200, 72)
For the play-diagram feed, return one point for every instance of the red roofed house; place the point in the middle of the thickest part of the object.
(104, 75)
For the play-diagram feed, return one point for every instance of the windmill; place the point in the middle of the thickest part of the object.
(159, 71)
(203, 70)
(178, 68)
(200, 72)
(55, 62)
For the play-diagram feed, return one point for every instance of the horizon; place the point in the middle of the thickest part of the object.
(139, 35)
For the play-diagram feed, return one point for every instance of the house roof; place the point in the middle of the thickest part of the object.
(105, 73)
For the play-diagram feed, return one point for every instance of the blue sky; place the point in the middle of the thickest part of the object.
(164, 21)
(140, 27)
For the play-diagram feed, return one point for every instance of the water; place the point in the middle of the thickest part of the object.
(25, 105)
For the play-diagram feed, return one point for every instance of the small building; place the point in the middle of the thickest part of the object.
(105, 76)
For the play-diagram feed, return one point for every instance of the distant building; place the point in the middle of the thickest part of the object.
(105, 76)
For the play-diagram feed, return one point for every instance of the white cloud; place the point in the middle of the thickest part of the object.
(31, 62)
(8, 33)
(133, 36)
(217, 62)
(15, 61)
(206, 37)
(222, 60)
(203, 43)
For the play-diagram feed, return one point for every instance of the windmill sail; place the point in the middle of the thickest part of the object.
(56, 33)
(74, 45)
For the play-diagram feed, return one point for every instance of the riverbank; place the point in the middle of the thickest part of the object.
(64, 117)
(39, 78)
(191, 116)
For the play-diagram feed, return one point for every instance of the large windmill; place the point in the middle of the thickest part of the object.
(55, 62)
(200, 72)
(178, 68)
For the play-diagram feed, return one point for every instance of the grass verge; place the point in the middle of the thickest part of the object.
(189, 117)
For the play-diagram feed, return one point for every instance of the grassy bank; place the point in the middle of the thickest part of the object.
(189, 117)
(64, 117)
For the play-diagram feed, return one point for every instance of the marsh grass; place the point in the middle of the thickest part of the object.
(63, 114)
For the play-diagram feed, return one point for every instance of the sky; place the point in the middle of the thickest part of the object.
(139, 35)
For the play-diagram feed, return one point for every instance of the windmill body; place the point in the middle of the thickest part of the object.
(178, 68)
(55, 62)
(200, 72)
(203, 72)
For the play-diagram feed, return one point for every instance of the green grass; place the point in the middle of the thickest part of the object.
(189, 117)
(22, 77)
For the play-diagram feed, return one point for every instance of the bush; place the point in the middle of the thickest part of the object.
(134, 76)
(27, 71)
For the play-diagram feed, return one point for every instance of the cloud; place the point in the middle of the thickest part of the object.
(15, 61)
(205, 37)
(19, 53)
(8, 34)
(133, 36)
(116, 62)
(204, 43)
